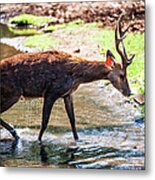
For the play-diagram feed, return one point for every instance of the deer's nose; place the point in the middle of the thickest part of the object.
(127, 93)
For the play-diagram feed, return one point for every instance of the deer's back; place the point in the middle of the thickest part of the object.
(34, 73)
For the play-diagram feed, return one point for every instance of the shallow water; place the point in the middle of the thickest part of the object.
(110, 127)
(110, 137)
(5, 50)
(98, 148)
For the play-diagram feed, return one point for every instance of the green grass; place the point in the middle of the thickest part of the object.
(73, 25)
(29, 19)
(42, 41)
(134, 44)
(52, 28)
(25, 31)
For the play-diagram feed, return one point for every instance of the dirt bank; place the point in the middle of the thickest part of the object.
(105, 12)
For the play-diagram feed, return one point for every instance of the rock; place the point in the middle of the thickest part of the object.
(139, 98)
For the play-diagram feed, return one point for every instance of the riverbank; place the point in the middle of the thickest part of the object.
(104, 12)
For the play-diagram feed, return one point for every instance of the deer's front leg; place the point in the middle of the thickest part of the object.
(70, 112)
(47, 107)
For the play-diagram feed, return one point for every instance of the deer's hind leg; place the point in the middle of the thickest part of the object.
(70, 112)
(9, 128)
(8, 99)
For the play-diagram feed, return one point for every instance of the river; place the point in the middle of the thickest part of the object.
(111, 130)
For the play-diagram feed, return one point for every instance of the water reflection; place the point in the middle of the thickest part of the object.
(101, 148)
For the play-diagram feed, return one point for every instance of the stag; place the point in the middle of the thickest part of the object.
(56, 74)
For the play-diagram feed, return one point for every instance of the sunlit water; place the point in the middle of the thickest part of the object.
(111, 131)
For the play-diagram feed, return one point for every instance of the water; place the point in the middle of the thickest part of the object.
(5, 50)
(111, 131)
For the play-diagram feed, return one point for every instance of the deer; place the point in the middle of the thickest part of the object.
(57, 74)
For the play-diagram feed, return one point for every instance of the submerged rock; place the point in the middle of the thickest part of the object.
(139, 98)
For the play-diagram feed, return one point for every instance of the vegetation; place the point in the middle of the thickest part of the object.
(29, 19)
(41, 42)
(23, 31)
(67, 26)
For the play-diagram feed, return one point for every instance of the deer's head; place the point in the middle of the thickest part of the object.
(118, 73)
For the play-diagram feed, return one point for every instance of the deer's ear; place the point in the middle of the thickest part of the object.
(110, 59)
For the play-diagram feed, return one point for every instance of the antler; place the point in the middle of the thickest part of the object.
(119, 41)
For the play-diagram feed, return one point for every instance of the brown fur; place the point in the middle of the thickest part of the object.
(51, 75)
(33, 74)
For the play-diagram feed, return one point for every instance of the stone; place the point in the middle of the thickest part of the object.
(139, 98)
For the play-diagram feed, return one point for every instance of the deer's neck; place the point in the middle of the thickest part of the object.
(87, 72)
